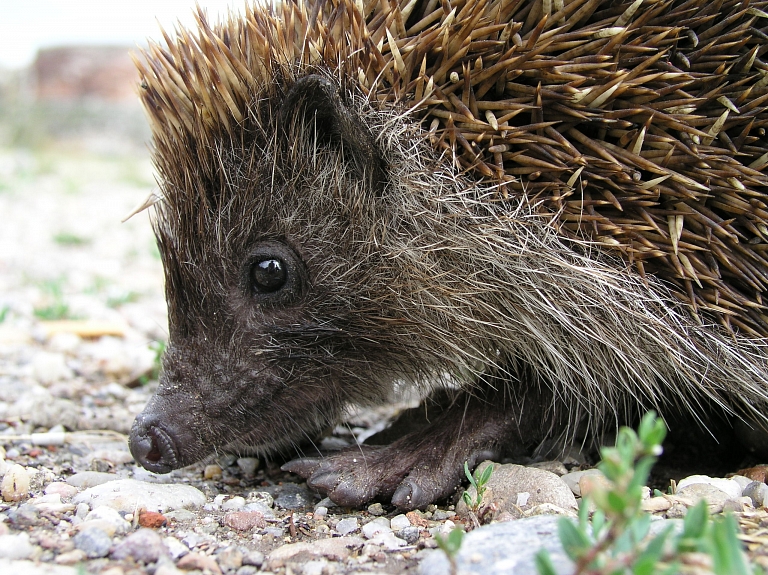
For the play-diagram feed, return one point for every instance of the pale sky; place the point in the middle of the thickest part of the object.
(26, 25)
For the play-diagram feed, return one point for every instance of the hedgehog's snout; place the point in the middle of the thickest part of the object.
(151, 446)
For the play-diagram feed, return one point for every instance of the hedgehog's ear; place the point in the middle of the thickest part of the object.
(314, 102)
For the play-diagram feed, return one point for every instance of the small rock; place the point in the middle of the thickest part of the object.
(247, 570)
(335, 549)
(320, 513)
(152, 519)
(555, 467)
(440, 515)
(180, 515)
(48, 367)
(245, 520)
(129, 494)
(399, 522)
(86, 479)
(757, 491)
(233, 504)
(315, 567)
(372, 528)
(741, 480)
(376, 509)
(728, 486)
(15, 483)
(229, 559)
(144, 545)
(255, 558)
(16, 546)
(212, 472)
(388, 540)
(347, 526)
(507, 548)
(572, 479)
(416, 518)
(714, 496)
(93, 542)
(63, 490)
(25, 516)
(248, 465)
(509, 481)
(176, 548)
(110, 516)
(198, 561)
(260, 508)
(294, 497)
(71, 557)
(261, 497)
(409, 534)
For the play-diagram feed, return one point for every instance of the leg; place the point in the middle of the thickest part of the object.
(426, 464)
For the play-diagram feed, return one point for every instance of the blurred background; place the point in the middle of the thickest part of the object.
(82, 310)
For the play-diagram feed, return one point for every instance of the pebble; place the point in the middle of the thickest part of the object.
(714, 496)
(16, 547)
(373, 528)
(180, 515)
(144, 546)
(757, 491)
(376, 509)
(233, 504)
(294, 497)
(111, 517)
(71, 557)
(399, 522)
(86, 479)
(63, 490)
(255, 558)
(212, 472)
(15, 483)
(248, 465)
(504, 549)
(25, 516)
(388, 540)
(347, 526)
(129, 494)
(51, 503)
(572, 479)
(409, 534)
(13, 567)
(730, 487)
(335, 549)
(515, 489)
(198, 561)
(93, 541)
(176, 548)
(245, 520)
(152, 519)
(229, 558)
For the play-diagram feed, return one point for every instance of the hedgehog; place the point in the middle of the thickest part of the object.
(546, 217)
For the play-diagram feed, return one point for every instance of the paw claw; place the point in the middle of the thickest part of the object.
(352, 494)
(304, 466)
(325, 481)
(409, 495)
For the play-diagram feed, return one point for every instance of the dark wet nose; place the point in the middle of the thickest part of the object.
(151, 446)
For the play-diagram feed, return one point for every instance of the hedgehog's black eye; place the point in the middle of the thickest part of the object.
(273, 274)
(268, 275)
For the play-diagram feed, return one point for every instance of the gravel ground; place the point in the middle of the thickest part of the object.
(82, 321)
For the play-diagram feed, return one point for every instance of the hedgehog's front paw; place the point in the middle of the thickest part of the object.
(352, 477)
(410, 478)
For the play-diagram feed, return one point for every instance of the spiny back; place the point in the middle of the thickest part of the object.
(638, 124)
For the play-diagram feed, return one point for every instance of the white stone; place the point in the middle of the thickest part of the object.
(111, 516)
(373, 528)
(49, 367)
(233, 504)
(16, 546)
(399, 522)
(729, 486)
(129, 494)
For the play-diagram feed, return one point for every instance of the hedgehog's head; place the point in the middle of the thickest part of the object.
(268, 249)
